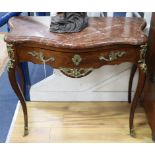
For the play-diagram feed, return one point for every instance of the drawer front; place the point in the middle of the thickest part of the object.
(94, 59)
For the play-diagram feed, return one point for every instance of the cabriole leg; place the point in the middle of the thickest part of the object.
(136, 98)
(133, 71)
(16, 88)
(12, 65)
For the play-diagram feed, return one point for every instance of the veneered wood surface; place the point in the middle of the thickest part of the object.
(89, 58)
(102, 31)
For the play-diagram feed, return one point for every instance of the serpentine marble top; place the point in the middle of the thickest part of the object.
(102, 31)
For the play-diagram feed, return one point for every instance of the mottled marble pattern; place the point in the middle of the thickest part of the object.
(101, 31)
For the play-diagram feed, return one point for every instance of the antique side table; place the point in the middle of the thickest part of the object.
(106, 41)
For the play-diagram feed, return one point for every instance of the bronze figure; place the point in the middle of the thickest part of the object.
(69, 22)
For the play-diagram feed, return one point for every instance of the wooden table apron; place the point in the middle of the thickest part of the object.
(75, 63)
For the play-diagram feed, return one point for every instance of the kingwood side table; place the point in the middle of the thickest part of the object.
(106, 41)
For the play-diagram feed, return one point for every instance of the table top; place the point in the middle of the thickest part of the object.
(102, 31)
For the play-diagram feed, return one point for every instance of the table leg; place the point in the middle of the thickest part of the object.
(149, 103)
(17, 90)
(132, 73)
(140, 86)
(149, 106)
(27, 82)
(21, 78)
(153, 137)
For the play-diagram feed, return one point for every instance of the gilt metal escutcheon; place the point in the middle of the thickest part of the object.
(76, 59)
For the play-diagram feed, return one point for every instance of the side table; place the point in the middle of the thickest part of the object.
(106, 41)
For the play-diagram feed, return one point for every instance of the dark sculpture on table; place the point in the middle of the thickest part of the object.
(69, 22)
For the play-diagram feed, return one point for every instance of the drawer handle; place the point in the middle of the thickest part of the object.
(113, 56)
(41, 57)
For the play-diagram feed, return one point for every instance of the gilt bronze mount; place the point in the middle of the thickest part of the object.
(113, 56)
(41, 57)
(10, 51)
(143, 49)
(76, 59)
(76, 72)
